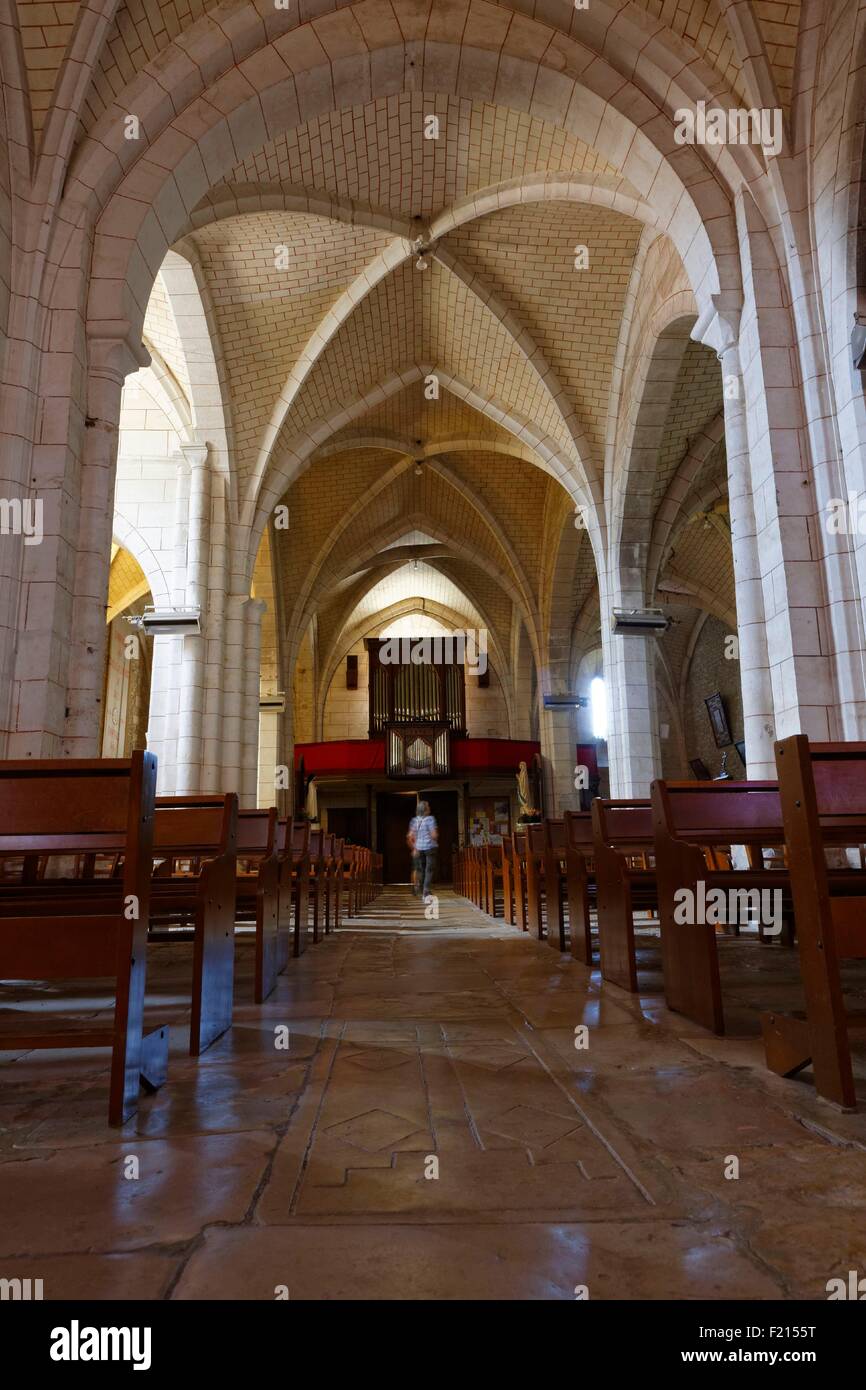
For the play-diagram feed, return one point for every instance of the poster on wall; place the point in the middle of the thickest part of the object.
(489, 820)
(478, 828)
(718, 720)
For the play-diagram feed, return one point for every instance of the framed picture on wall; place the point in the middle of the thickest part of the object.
(718, 720)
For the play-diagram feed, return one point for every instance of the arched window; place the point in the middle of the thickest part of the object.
(598, 706)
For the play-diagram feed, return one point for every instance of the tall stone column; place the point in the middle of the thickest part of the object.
(253, 611)
(558, 748)
(193, 648)
(758, 716)
(110, 360)
(233, 692)
(633, 749)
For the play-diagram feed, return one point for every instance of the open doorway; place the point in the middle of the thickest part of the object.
(394, 811)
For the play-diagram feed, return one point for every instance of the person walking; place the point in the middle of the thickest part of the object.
(423, 840)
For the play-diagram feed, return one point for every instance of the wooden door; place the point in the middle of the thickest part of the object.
(443, 805)
(394, 811)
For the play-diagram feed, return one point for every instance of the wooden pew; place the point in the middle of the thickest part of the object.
(258, 895)
(691, 820)
(492, 857)
(193, 894)
(334, 885)
(322, 880)
(351, 870)
(507, 881)
(457, 870)
(555, 882)
(822, 790)
(545, 879)
(516, 845)
(580, 882)
(293, 850)
(622, 842)
(49, 931)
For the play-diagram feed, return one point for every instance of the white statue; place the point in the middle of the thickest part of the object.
(311, 805)
(524, 793)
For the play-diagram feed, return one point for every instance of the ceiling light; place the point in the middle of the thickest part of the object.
(422, 263)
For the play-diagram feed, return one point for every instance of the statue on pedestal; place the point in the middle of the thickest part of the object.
(311, 805)
(526, 796)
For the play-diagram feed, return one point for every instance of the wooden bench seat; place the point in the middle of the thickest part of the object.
(822, 791)
(53, 931)
(293, 852)
(692, 822)
(515, 845)
(580, 882)
(625, 882)
(491, 858)
(193, 896)
(545, 881)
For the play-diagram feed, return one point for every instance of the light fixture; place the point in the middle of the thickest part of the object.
(422, 251)
(564, 701)
(418, 469)
(169, 622)
(639, 622)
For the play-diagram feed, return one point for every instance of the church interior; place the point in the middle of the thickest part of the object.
(433, 650)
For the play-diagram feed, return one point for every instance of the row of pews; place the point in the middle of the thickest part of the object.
(94, 865)
(802, 841)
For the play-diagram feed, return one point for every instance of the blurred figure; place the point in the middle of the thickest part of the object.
(423, 839)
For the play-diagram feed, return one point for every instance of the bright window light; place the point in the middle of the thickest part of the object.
(598, 707)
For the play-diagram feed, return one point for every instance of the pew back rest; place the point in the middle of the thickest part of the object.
(578, 830)
(74, 805)
(554, 835)
(300, 839)
(535, 839)
(196, 827)
(85, 805)
(624, 825)
(839, 778)
(257, 832)
(718, 813)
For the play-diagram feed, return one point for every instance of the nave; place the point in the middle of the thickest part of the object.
(304, 1169)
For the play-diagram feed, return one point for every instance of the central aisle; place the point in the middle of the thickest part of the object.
(453, 1142)
(408, 1117)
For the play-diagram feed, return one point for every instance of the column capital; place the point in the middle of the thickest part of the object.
(115, 350)
(718, 326)
(194, 455)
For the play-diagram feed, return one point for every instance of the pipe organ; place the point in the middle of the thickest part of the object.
(414, 691)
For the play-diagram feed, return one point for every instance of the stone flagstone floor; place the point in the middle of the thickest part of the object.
(432, 1131)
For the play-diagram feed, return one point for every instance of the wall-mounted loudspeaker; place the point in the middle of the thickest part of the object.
(351, 673)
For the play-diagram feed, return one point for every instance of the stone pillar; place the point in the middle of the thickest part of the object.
(110, 360)
(633, 749)
(558, 746)
(193, 648)
(250, 713)
(233, 691)
(758, 717)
